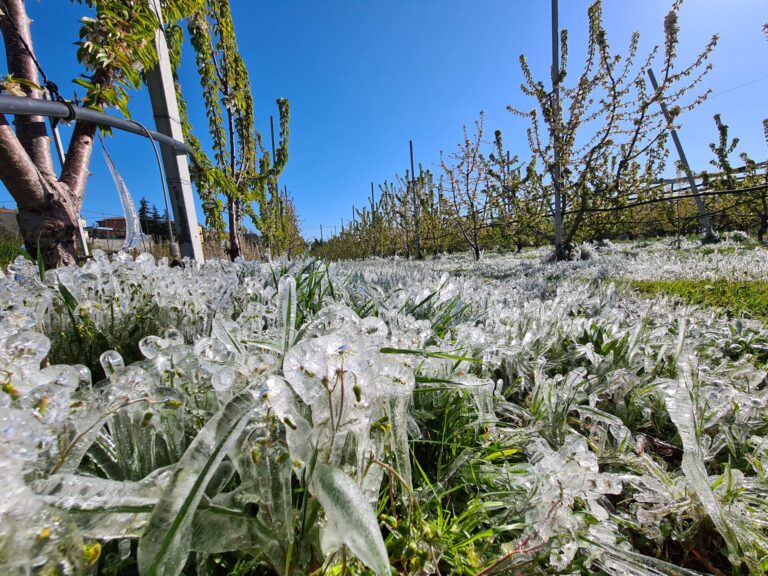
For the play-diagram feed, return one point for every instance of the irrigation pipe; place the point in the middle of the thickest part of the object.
(22, 105)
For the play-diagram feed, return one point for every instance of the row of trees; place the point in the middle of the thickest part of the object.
(152, 222)
(749, 208)
(598, 147)
(484, 198)
(239, 180)
(598, 144)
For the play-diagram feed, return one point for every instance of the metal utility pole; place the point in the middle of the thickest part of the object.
(709, 234)
(414, 199)
(556, 175)
(321, 233)
(165, 108)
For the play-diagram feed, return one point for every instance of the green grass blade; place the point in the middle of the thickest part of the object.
(426, 354)
(40, 264)
(69, 300)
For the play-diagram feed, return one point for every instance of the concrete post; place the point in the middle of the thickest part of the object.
(165, 108)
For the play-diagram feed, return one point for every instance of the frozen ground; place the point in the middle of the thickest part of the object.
(580, 425)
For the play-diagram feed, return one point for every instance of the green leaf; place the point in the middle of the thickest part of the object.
(351, 520)
(69, 299)
(217, 530)
(164, 546)
(11, 79)
(426, 354)
(112, 509)
(40, 264)
(84, 83)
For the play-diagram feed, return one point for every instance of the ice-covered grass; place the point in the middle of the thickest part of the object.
(440, 417)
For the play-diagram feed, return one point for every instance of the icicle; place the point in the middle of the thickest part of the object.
(133, 234)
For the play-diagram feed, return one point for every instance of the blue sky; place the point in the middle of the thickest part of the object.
(364, 77)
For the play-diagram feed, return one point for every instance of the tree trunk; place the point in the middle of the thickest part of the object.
(234, 232)
(49, 206)
(562, 252)
(53, 229)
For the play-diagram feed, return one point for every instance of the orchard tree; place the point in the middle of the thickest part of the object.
(752, 204)
(467, 181)
(431, 218)
(400, 211)
(286, 233)
(389, 220)
(243, 171)
(602, 139)
(517, 207)
(116, 45)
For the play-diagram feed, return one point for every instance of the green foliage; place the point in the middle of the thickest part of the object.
(242, 171)
(117, 45)
(10, 248)
(737, 298)
(77, 339)
(14, 86)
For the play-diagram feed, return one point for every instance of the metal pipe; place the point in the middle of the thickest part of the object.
(34, 106)
(557, 180)
(706, 223)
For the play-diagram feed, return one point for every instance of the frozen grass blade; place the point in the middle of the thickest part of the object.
(426, 354)
(683, 412)
(164, 546)
(351, 520)
(286, 296)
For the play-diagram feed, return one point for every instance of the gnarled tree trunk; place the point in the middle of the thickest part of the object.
(48, 204)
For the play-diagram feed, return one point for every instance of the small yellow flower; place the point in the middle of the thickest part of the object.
(44, 534)
(42, 404)
(91, 553)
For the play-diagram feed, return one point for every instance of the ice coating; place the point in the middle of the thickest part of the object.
(557, 361)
